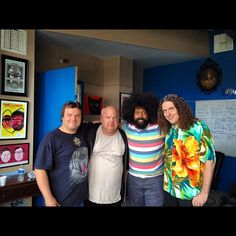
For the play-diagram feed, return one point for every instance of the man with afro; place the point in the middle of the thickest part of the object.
(146, 150)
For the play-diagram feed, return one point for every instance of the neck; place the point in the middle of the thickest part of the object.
(63, 129)
(175, 126)
(108, 132)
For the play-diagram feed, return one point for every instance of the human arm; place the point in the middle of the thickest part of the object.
(202, 197)
(207, 155)
(43, 184)
(125, 165)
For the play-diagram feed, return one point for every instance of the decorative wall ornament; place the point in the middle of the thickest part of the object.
(209, 76)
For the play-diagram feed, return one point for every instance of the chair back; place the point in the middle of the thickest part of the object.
(218, 166)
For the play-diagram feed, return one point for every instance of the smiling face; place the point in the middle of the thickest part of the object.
(17, 122)
(6, 156)
(19, 154)
(141, 117)
(71, 120)
(170, 113)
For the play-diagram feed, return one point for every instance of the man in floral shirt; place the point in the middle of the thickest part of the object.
(189, 154)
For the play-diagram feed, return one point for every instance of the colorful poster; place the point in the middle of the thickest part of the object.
(14, 154)
(13, 119)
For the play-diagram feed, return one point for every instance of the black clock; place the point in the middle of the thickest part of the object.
(209, 76)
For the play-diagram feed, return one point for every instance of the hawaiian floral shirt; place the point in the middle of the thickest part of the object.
(185, 155)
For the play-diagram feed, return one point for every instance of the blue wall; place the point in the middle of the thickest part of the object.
(180, 78)
(53, 89)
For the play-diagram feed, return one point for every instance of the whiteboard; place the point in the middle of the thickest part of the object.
(220, 116)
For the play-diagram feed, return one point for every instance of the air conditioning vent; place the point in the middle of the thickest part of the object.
(14, 41)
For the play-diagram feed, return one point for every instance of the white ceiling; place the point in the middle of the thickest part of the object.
(142, 56)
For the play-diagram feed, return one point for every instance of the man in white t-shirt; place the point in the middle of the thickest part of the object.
(108, 160)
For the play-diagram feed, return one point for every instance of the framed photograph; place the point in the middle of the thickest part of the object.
(13, 119)
(123, 97)
(14, 154)
(14, 76)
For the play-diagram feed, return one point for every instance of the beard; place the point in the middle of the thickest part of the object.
(141, 123)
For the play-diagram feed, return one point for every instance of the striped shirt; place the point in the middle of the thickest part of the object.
(146, 150)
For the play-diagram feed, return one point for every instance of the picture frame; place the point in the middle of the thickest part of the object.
(14, 76)
(14, 154)
(93, 105)
(13, 119)
(123, 97)
(80, 92)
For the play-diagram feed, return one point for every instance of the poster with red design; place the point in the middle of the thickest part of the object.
(14, 154)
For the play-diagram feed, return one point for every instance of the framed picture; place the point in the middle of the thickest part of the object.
(13, 119)
(14, 154)
(80, 92)
(92, 105)
(14, 76)
(123, 97)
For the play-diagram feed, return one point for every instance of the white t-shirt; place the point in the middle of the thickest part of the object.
(106, 168)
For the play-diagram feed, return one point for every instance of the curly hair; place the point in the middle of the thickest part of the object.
(17, 119)
(149, 101)
(186, 117)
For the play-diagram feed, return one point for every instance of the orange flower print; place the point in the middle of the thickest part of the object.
(187, 160)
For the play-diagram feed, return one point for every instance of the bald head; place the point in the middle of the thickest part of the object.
(108, 109)
(110, 120)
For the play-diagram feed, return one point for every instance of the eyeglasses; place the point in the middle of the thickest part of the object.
(18, 152)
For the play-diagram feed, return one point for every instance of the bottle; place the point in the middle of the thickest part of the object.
(21, 174)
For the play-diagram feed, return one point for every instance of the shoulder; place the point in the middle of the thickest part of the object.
(123, 125)
(85, 125)
(52, 137)
(92, 128)
(201, 124)
(121, 131)
(52, 134)
(123, 134)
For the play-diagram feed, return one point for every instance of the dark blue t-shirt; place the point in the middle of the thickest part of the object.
(65, 158)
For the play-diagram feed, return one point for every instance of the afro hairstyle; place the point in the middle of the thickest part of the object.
(148, 100)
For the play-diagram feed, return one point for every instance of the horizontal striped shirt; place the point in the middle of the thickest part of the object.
(146, 150)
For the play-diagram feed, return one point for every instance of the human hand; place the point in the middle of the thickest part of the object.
(200, 199)
(51, 202)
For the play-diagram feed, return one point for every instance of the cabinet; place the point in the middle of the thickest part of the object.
(14, 189)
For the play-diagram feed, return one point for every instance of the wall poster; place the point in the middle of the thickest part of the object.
(13, 120)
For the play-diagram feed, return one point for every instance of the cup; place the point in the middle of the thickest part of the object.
(3, 180)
